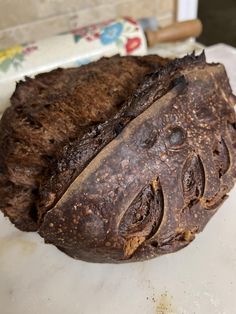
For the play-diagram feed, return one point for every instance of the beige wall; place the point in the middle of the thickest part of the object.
(26, 20)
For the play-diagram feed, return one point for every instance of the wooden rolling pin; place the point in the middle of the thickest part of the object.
(175, 32)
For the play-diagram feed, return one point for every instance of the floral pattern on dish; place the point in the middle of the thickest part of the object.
(123, 33)
(111, 33)
(14, 56)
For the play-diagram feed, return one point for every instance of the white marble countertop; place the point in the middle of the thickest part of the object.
(201, 279)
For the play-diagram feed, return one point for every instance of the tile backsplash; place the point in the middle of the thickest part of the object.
(23, 21)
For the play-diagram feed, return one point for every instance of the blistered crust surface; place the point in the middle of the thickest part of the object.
(108, 178)
(156, 183)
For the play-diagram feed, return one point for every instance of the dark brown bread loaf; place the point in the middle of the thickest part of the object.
(53, 109)
(141, 183)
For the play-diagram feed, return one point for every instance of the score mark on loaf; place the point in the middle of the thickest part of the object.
(112, 164)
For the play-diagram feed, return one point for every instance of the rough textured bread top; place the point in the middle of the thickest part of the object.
(143, 182)
(53, 109)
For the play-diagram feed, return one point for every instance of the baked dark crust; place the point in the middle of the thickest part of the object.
(52, 110)
(137, 180)
(159, 181)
